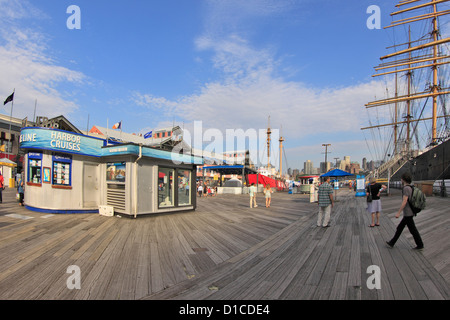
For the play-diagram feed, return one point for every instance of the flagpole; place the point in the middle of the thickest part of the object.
(10, 120)
(34, 114)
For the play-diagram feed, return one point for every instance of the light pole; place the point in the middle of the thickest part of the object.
(326, 145)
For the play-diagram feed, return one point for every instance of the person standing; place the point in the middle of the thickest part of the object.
(325, 202)
(21, 190)
(2, 181)
(252, 192)
(374, 207)
(408, 215)
(268, 193)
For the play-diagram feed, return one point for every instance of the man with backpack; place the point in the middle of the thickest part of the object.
(413, 202)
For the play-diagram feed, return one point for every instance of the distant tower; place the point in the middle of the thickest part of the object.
(281, 155)
(269, 132)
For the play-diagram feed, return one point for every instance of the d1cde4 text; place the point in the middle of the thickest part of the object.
(244, 309)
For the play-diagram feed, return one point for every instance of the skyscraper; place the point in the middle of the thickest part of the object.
(308, 167)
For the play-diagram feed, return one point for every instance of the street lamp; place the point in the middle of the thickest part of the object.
(326, 145)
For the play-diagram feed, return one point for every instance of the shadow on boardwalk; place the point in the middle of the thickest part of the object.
(223, 250)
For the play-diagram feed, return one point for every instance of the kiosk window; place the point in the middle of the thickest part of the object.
(165, 187)
(184, 187)
(34, 170)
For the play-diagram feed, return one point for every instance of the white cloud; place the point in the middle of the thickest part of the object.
(248, 93)
(236, 16)
(235, 57)
(19, 9)
(28, 68)
(150, 101)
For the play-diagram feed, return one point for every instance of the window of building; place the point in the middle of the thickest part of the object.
(166, 187)
(184, 187)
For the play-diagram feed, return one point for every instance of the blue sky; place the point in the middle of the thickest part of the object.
(230, 64)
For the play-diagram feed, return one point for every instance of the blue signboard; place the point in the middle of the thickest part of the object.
(68, 142)
(59, 140)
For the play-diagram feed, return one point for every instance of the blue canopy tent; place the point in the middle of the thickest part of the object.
(335, 174)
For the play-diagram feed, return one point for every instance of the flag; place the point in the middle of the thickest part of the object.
(118, 125)
(148, 135)
(10, 98)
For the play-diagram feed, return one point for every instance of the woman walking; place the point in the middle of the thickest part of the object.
(2, 181)
(374, 207)
(268, 192)
(252, 192)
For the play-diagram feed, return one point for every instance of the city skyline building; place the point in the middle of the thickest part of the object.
(308, 167)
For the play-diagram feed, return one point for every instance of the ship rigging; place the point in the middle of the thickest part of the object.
(418, 71)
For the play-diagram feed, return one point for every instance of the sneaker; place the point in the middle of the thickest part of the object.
(389, 244)
(418, 248)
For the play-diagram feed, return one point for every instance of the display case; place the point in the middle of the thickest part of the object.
(62, 170)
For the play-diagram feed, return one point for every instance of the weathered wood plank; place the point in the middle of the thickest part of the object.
(225, 250)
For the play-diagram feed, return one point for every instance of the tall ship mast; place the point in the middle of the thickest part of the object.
(419, 72)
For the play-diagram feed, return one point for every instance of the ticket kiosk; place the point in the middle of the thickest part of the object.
(68, 172)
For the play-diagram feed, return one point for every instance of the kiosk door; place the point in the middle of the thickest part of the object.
(90, 186)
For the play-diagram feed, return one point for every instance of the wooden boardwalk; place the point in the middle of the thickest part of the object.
(224, 250)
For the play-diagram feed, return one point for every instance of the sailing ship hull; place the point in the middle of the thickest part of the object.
(433, 164)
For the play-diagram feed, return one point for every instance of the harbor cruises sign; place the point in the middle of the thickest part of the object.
(68, 142)
(58, 140)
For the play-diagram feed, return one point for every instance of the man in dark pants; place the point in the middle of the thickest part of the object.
(408, 215)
